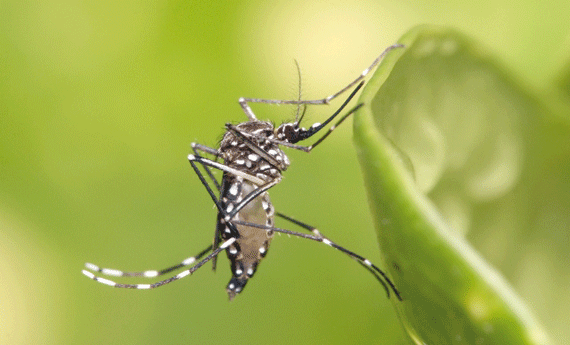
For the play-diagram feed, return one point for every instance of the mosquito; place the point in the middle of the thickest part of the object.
(253, 163)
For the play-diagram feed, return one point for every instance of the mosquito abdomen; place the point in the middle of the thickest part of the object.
(251, 244)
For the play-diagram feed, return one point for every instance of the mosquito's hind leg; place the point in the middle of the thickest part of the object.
(319, 237)
(162, 282)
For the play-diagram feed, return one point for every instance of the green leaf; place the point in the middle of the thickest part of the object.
(446, 139)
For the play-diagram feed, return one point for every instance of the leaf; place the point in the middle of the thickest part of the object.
(445, 132)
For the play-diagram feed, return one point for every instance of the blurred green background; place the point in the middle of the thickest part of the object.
(99, 102)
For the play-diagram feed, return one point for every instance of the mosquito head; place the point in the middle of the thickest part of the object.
(288, 132)
(292, 133)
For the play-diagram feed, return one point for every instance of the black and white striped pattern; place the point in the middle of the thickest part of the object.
(154, 273)
(317, 236)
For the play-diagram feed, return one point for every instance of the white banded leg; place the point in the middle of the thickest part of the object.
(244, 101)
(263, 185)
(377, 272)
(163, 282)
(196, 147)
(149, 273)
(227, 214)
(220, 166)
(203, 148)
(206, 164)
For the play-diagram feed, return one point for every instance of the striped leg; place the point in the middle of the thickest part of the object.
(220, 166)
(196, 157)
(247, 110)
(180, 275)
(150, 273)
(379, 274)
(317, 236)
(230, 213)
(227, 213)
(203, 148)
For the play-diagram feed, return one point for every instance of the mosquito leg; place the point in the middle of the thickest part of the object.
(307, 133)
(378, 273)
(243, 101)
(150, 273)
(166, 281)
(203, 148)
(217, 235)
(248, 198)
(220, 166)
(301, 224)
(232, 229)
(229, 213)
(318, 234)
(199, 147)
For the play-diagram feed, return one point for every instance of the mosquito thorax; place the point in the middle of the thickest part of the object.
(257, 153)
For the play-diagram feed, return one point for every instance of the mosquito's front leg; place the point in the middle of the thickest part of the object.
(202, 148)
(223, 167)
(244, 101)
